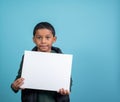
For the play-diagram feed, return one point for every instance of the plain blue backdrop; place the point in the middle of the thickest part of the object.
(88, 29)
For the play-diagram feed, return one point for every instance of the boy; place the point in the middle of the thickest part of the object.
(43, 37)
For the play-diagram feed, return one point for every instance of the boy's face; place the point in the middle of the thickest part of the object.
(44, 39)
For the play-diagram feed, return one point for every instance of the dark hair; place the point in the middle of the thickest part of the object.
(44, 25)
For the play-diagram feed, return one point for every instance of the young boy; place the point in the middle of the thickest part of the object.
(43, 37)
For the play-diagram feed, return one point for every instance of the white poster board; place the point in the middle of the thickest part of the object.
(46, 71)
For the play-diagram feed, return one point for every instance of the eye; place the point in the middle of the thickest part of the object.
(38, 37)
(48, 37)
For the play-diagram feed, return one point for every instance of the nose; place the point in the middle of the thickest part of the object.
(43, 40)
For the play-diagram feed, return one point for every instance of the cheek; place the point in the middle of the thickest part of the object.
(36, 42)
(53, 41)
(50, 44)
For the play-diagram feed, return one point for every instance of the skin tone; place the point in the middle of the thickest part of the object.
(43, 39)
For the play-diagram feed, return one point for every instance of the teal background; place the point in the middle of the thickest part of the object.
(88, 29)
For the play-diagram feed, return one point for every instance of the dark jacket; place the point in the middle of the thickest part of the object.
(30, 95)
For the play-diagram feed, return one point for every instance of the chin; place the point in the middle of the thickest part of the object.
(44, 50)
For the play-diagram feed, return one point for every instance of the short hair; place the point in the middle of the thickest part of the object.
(44, 25)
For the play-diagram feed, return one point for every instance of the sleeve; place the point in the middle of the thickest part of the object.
(19, 73)
(62, 98)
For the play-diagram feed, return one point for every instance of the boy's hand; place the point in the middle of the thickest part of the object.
(64, 92)
(17, 83)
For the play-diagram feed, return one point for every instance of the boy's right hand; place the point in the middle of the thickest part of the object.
(17, 83)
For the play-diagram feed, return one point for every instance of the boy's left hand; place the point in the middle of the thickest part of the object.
(64, 92)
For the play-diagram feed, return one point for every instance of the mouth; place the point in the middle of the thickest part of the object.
(43, 46)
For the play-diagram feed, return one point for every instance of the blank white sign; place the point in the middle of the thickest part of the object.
(46, 71)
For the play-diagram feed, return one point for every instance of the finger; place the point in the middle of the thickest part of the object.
(67, 92)
(18, 83)
(19, 80)
(62, 91)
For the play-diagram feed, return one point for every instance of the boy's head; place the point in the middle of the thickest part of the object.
(44, 36)
(44, 25)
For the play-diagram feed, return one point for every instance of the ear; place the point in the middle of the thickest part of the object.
(54, 39)
(33, 39)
